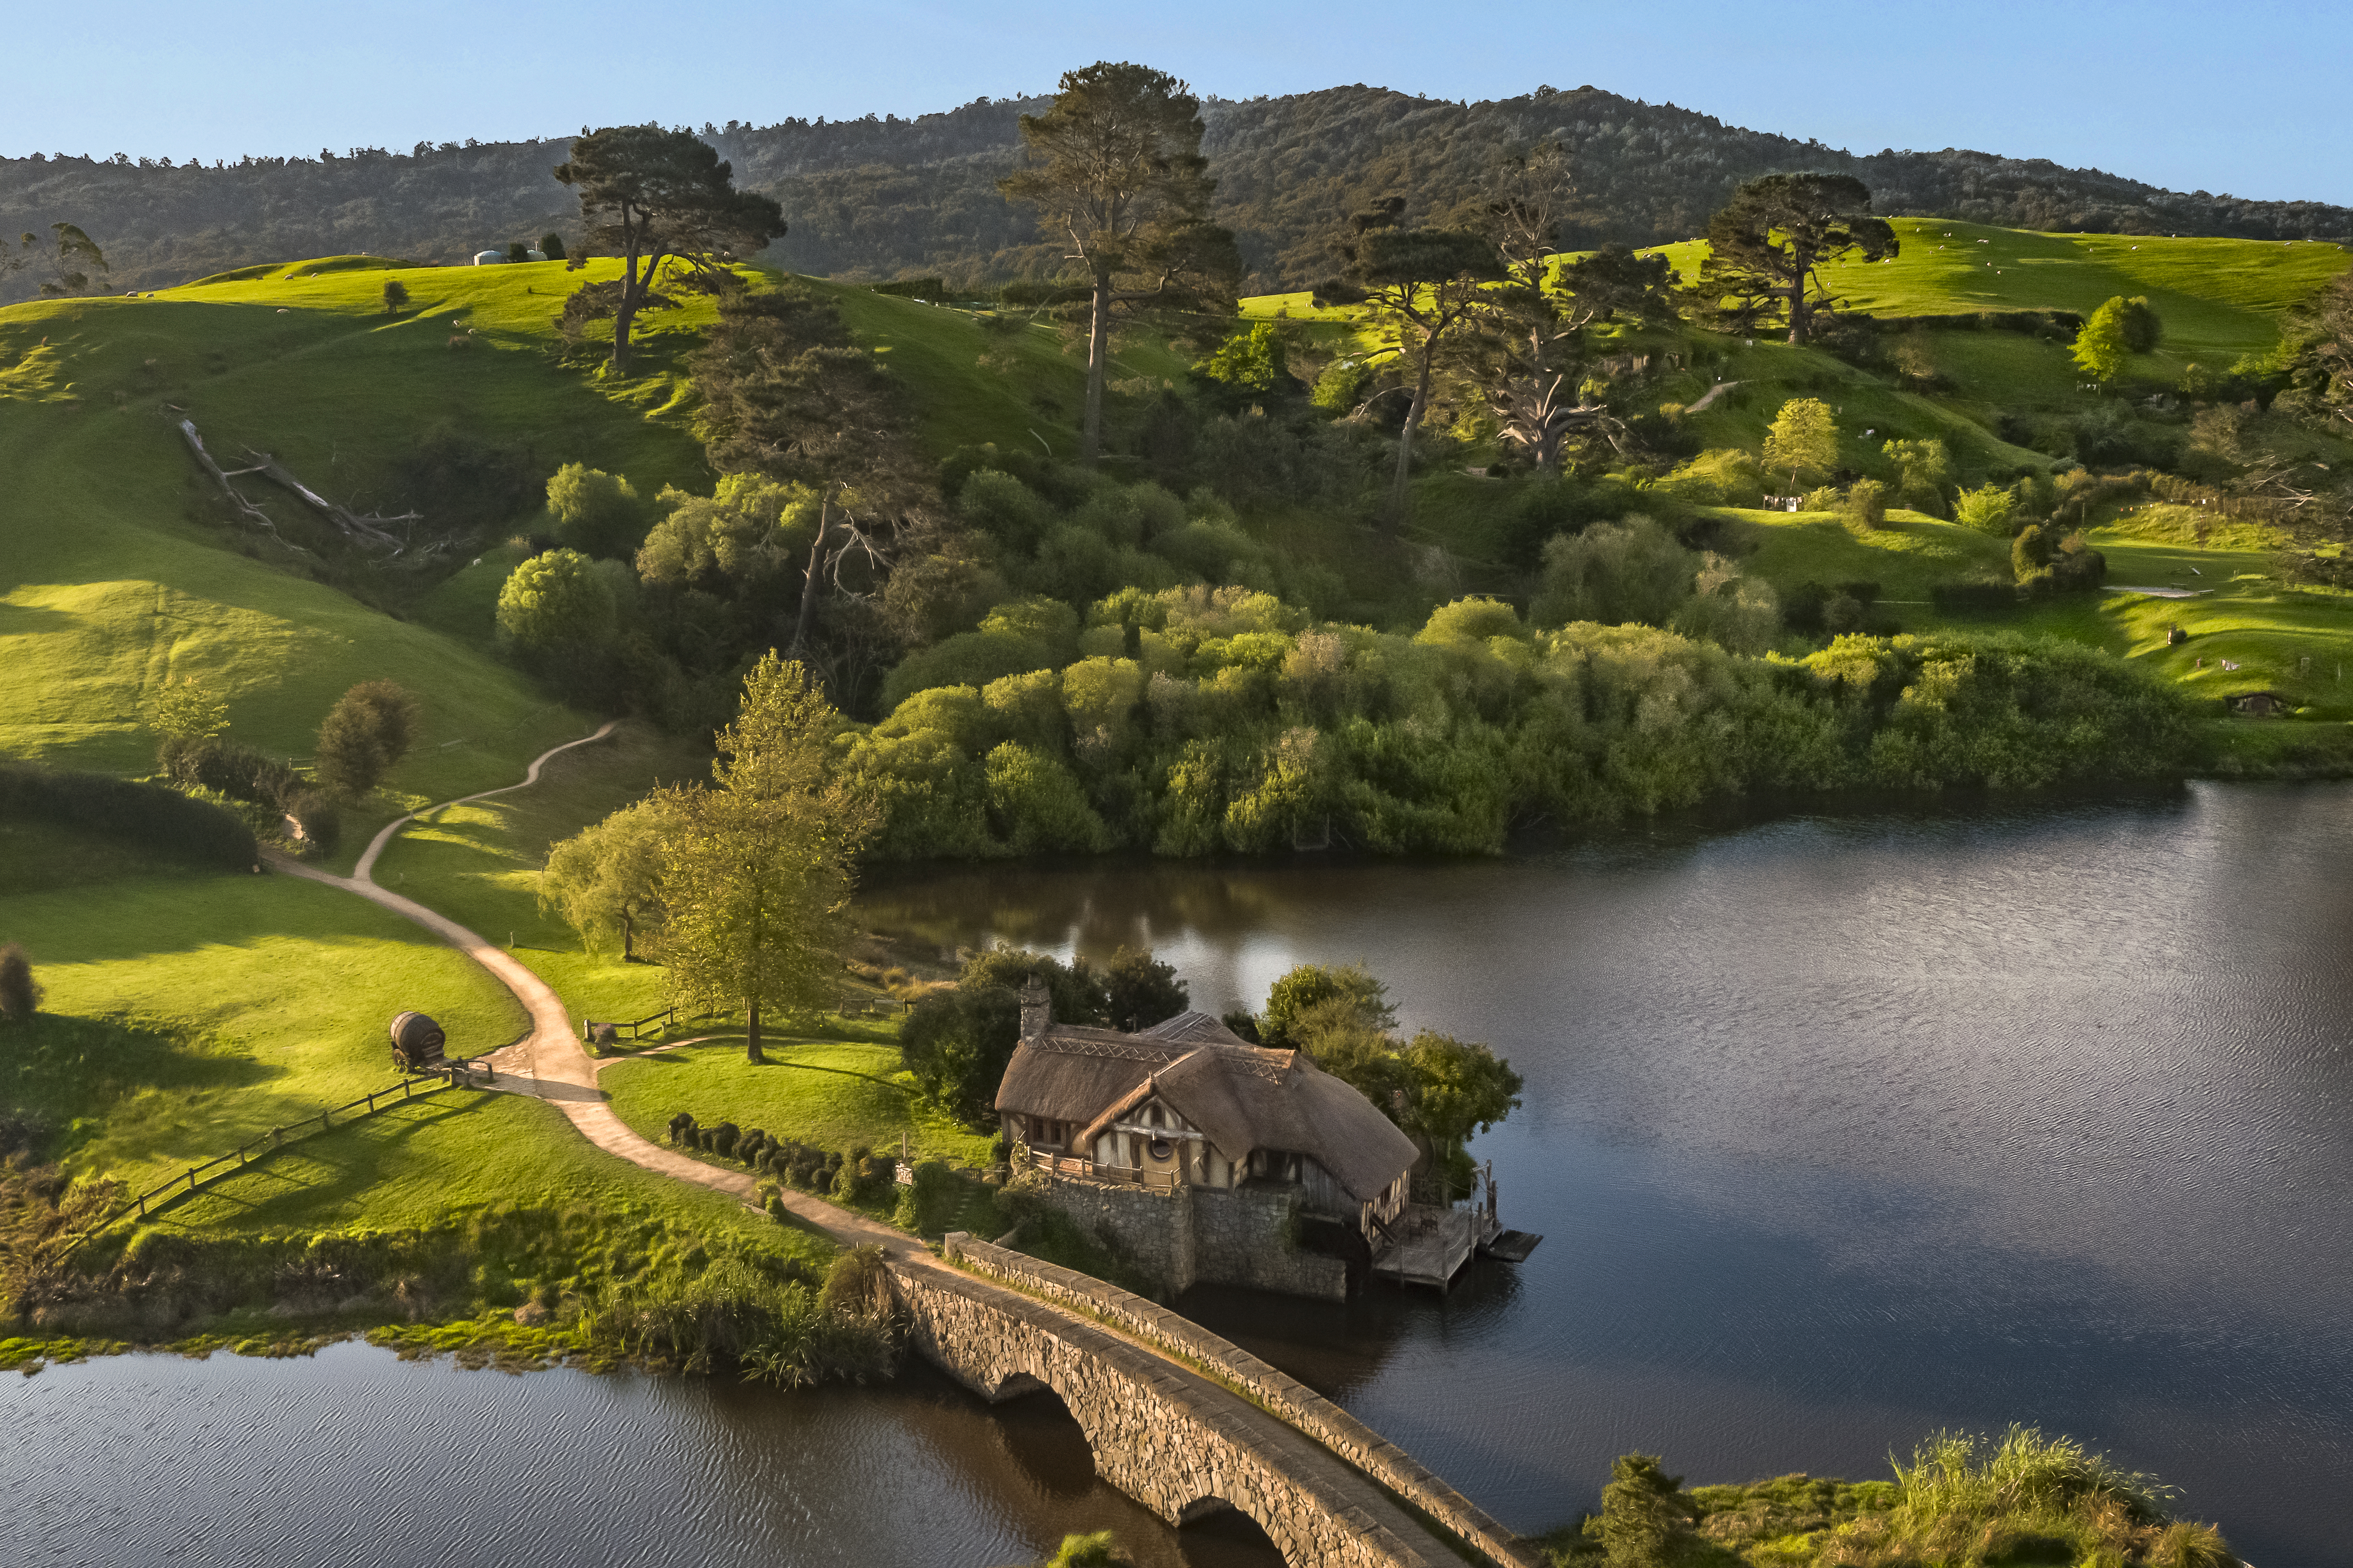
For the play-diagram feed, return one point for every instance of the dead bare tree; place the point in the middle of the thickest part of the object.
(368, 531)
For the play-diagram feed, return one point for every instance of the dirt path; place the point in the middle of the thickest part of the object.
(549, 1062)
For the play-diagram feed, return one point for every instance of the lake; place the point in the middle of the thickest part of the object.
(1840, 1128)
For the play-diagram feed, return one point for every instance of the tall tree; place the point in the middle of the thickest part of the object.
(658, 196)
(364, 734)
(1115, 165)
(1531, 365)
(1424, 284)
(70, 258)
(607, 875)
(1766, 247)
(2103, 347)
(1802, 438)
(757, 871)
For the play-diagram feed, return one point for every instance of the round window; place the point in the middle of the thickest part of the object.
(1161, 1149)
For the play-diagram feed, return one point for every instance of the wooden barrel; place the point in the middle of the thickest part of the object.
(418, 1040)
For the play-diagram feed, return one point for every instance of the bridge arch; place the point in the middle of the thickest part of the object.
(1183, 1447)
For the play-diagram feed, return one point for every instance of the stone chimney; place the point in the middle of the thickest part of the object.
(1036, 1008)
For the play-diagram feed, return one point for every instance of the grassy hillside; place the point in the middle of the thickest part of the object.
(108, 584)
(188, 1013)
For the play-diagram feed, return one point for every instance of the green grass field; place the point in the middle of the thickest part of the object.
(1907, 558)
(833, 1094)
(479, 864)
(2218, 298)
(188, 1014)
(108, 589)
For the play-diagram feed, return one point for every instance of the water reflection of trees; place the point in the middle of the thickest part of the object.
(1093, 910)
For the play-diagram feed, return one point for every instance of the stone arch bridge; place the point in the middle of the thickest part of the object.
(1162, 1404)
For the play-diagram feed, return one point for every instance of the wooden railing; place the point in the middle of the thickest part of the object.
(196, 1176)
(636, 1027)
(1088, 1171)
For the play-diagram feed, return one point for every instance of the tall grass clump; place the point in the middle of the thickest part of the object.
(734, 1314)
(1964, 1501)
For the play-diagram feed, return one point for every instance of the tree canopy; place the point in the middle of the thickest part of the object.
(555, 602)
(1115, 171)
(1766, 245)
(1803, 439)
(1424, 285)
(368, 730)
(608, 878)
(656, 196)
(757, 870)
(2103, 344)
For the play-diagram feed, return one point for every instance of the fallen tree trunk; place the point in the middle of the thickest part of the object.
(351, 524)
(246, 509)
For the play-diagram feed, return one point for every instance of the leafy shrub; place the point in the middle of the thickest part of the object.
(596, 512)
(736, 1313)
(1613, 574)
(150, 816)
(364, 734)
(20, 993)
(556, 603)
(930, 1204)
(1987, 509)
(320, 822)
(1867, 505)
(226, 768)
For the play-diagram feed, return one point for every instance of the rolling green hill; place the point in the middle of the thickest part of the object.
(113, 579)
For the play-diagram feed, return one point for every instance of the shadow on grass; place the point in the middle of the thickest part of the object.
(337, 1166)
(60, 1069)
(143, 917)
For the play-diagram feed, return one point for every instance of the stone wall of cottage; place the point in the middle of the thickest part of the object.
(1182, 1237)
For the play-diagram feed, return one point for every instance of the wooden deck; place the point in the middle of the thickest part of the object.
(1431, 1246)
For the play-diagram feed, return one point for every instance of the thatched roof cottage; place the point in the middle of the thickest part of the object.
(1188, 1104)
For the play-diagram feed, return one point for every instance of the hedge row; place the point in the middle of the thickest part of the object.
(150, 816)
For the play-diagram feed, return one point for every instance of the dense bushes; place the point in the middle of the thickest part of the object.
(734, 1313)
(2021, 1499)
(1196, 722)
(20, 993)
(150, 816)
(957, 1042)
(226, 767)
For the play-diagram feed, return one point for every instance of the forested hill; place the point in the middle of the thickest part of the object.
(886, 196)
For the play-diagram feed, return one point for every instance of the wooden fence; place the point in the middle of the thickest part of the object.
(1087, 1170)
(196, 1176)
(636, 1027)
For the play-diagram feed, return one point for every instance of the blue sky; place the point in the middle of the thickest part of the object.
(2240, 97)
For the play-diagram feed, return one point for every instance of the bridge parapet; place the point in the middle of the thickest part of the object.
(1172, 1439)
(1333, 1431)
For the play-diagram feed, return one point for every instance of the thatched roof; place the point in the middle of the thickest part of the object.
(1242, 1097)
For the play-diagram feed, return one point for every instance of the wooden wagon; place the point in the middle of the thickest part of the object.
(418, 1044)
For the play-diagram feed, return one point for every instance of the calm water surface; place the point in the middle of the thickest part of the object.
(1838, 1130)
(1842, 1129)
(353, 1456)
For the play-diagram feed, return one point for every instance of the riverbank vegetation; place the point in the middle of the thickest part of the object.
(1963, 1501)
